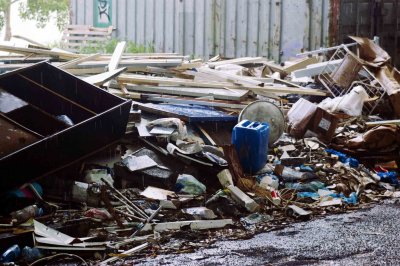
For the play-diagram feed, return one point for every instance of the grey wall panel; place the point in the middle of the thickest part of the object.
(232, 28)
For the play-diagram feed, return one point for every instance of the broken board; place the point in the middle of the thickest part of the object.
(188, 113)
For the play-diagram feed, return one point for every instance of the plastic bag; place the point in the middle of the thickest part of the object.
(169, 122)
(189, 184)
(351, 103)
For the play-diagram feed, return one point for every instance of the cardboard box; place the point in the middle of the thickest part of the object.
(307, 120)
(322, 125)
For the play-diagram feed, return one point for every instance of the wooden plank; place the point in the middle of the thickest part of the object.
(103, 77)
(189, 65)
(221, 94)
(385, 122)
(206, 135)
(20, 50)
(134, 62)
(77, 61)
(300, 64)
(116, 57)
(266, 90)
(89, 28)
(237, 61)
(150, 80)
(236, 79)
(129, 95)
(85, 71)
(84, 38)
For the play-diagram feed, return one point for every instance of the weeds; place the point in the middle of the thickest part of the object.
(109, 46)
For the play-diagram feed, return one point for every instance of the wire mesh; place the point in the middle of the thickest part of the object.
(344, 71)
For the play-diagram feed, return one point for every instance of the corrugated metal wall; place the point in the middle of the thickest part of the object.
(233, 28)
(371, 18)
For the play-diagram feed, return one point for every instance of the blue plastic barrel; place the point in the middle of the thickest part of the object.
(251, 143)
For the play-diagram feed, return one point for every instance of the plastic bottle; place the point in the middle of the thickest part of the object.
(215, 197)
(268, 181)
(30, 254)
(26, 213)
(311, 186)
(289, 174)
(344, 158)
(11, 254)
(388, 177)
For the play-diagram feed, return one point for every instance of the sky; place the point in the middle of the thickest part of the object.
(48, 35)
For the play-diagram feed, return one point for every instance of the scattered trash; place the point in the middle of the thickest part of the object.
(26, 213)
(11, 254)
(203, 145)
(200, 212)
(189, 184)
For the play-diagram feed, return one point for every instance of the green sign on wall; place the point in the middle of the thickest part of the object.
(102, 13)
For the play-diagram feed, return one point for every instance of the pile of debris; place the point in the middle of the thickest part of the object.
(211, 150)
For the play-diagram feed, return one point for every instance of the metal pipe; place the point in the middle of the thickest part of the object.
(133, 205)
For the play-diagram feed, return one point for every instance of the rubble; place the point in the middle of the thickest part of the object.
(206, 150)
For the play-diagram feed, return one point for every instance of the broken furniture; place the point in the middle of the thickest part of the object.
(344, 71)
(98, 117)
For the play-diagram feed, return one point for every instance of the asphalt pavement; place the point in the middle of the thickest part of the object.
(364, 237)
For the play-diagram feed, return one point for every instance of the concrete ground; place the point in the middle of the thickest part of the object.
(365, 237)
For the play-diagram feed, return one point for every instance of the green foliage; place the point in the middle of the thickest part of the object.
(4, 4)
(42, 10)
(108, 47)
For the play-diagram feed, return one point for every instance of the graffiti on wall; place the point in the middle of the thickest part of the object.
(102, 13)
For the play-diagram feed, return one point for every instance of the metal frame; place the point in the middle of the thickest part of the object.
(364, 78)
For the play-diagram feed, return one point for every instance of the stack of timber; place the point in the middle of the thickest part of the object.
(170, 78)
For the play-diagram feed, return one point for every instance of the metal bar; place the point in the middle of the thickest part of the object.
(324, 50)
(133, 205)
(141, 226)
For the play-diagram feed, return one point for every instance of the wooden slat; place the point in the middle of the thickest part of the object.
(104, 77)
(266, 90)
(85, 38)
(20, 50)
(221, 94)
(116, 57)
(77, 61)
(76, 35)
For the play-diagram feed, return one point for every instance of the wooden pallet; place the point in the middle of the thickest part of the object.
(75, 36)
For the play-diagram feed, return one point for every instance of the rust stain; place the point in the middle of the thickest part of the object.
(334, 14)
